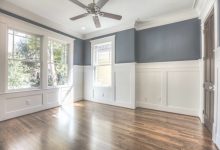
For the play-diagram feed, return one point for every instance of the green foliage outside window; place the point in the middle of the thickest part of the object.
(24, 68)
(57, 63)
(23, 60)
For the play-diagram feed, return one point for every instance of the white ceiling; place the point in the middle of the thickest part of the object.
(59, 11)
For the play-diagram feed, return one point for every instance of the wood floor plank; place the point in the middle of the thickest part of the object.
(92, 126)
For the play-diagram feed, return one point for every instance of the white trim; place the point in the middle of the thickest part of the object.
(204, 7)
(100, 41)
(217, 141)
(103, 40)
(115, 29)
(195, 4)
(178, 110)
(3, 47)
(188, 64)
(29, 28)
(152, 22)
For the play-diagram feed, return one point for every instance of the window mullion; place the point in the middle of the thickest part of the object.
(44, 61)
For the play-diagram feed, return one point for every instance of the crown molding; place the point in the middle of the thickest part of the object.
(153, 22)
(167, 19)
(173, 17)
(203, 8)
(31, 16)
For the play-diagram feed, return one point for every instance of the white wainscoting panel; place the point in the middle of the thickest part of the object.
(21, 103)
(149, 89)
(125, 85)
(78, 78)
(88, 83)
(182, 89)
(123, 94)
(169, 86)
(16, 104)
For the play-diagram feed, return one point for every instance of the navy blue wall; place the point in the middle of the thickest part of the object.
(78, 52)
(124, 47)
(173, 42)
(87, 53)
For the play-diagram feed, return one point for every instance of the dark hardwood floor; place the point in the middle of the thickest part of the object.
(92, 126)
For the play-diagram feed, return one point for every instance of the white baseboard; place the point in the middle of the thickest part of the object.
(78, 99)
(124, 105)
(218, 141)
(177, 110)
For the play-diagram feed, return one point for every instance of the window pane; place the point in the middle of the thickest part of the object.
(57, 74)
(23, 60)
(26, 48)
(103, 75)
(57, 52)
(22, 74)
(103, 53)
(57, 63)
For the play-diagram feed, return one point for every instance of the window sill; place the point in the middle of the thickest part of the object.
(102, 86)
(21, 90)
(58, 87)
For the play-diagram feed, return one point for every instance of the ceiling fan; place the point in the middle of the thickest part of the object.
(94, 9)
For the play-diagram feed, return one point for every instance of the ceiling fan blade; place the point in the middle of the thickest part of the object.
(79, 3)
(112, 16)
(101, 3)
(96, 21)
(79, 16)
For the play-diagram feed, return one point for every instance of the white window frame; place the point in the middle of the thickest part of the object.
(11, 23)
(6, 63)
(101, 41)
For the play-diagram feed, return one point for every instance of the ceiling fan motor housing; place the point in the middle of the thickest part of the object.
(93, 9)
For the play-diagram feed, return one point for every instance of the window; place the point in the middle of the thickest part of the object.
(57, 63)
(103, 64)
(23, 60)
